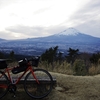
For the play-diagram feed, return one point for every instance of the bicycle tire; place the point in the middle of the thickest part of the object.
(42, 89)
(3, 82)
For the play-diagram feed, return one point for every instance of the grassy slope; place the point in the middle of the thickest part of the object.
(68, 87)
(77, 87)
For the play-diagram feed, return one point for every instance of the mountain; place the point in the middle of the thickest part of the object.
(70, 35)
(68, 32)
(69, 38)
(2, 40)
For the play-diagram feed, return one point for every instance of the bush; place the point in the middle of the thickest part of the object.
(64, 67)
(79, 67)
(94, 69)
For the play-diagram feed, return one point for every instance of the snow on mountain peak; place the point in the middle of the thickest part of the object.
(69, 31)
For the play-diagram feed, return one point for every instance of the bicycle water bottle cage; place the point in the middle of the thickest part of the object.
(3, 64)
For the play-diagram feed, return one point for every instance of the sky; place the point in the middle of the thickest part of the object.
(21, 19)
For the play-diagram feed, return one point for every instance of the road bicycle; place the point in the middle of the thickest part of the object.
(37, 82)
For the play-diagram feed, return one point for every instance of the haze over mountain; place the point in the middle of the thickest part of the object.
(69, 38)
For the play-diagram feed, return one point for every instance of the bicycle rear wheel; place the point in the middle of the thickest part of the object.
(3, 84)
(40, 90)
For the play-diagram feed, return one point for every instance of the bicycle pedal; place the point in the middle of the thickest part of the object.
(14, 96)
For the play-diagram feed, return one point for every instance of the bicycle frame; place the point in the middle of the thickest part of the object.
(7, 70)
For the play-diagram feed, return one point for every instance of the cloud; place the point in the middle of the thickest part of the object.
(27, 30)
(90, 28)
(5, 35)
(34, 31)
(87, 18)
(87, 13)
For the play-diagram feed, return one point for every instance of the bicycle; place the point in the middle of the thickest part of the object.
(37, 82)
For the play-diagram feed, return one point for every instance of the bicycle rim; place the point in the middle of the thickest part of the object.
(40, 90)
(3, 84)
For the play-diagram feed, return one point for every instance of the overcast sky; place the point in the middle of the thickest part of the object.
(36, 18)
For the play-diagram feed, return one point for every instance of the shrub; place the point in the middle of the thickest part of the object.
(64, 67)
(94, 69)
(79, 67)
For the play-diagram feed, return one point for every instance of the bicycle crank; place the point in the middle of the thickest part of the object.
(12, 88)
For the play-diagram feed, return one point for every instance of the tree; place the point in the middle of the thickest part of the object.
(1, 55)
(95, 57)
(50, 55)
(60, 57)
(72, 54)
(12, 55)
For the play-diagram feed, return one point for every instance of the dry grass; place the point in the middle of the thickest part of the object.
(94, 69)
(64, 68)
(68, 87)
(77, 87)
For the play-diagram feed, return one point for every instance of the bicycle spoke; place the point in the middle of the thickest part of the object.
(42, 89)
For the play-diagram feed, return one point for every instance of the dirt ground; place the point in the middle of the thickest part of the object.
(69, 87)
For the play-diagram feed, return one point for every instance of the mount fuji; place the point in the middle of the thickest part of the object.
(70, 31)
(69, 38)
(70, 35)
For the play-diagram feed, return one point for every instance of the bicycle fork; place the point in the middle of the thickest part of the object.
(35, 77)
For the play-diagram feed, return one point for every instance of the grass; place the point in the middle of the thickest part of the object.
(94, 69)
(78, 87)
(64, 68)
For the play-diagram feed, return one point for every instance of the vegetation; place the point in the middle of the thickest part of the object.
(50, 55)
(95, 58)
(79, 67)
(72, 54)
(1, 55)
(74, 63)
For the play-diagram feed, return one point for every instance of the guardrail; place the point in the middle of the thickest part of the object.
(43, 80)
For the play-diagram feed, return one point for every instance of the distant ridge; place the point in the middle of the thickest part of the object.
(2, 39)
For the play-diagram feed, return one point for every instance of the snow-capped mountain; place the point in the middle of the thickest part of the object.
(70, 35)
(69, 31)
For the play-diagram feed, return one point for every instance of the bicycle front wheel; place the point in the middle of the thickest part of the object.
(3, 84)
(38, 90)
